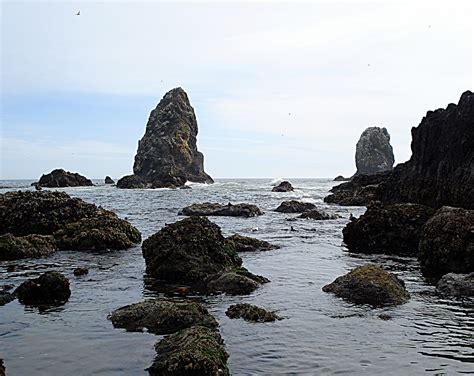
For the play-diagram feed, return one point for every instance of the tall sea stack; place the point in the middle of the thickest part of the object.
(167, 154)
(373, 152)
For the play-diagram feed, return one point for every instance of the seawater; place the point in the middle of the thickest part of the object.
(319, 335)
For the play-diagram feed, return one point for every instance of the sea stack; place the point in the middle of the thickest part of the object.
(167, 154)
(373, 152)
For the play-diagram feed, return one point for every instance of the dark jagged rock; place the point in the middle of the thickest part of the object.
(73, 223)
(2, 368)
(284, 186)
(80, 271)
(19, 247)
(447, 242)
(318, 215)
(193, 251)
(250, 313)
(60, 178)
(247, 244)
(392, 229)
(194, 351)
(213, 209)
(294, 206)
(374, 153)
(167, 154)
(369, 284)
(108, 180)
(459, 285)
(48, 288)
(162, 316)
(341, 178)
(6, 297)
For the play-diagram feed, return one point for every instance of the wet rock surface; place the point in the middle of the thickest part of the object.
(459, 285)
(167, 154)
(194, 351)
(48, 288)
(317, 215)
(80, 271)
(19, 247)
(447, 242)
(251, 313)
(214, 209)
(392, 229)
(2, 368)
(373, 152)
(248, 244)
(6, 297)
(284, 186)
(234, 282)
(61, 178)
(294, 206)
(369, 284)
(162, 316)
(108, 180)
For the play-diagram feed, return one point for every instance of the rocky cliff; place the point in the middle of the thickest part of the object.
(373, 152)
(167, 154)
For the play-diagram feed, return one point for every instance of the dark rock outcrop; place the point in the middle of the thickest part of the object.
(213, 209)
(194, 351)
(284, 186)
(251, 313)
(341, 178)
(6, 297)
(2, 368)
(80, 271)
(369, 284)
(193, 251)
(162, 316)
(459, 285)
(318, 215)
(374, 153)
(108, 180)
(48, 288)
(60, 178)
(167, 154)
(247, 244)
(447, 242)
(392, 229)
(294, 206)
(19, 247)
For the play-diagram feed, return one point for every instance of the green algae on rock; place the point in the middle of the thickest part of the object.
(250, 313)
(369, 284)
(193, 351)
(19, 247)
(162, 316)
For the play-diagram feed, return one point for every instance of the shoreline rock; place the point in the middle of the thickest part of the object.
(6, 297)
(284, 186)
(458, 285)
(60, 178)
(20, 247)
(213, 209)
(250, 313)
(317, 215)
(294, 206)
(48, 288)
(108, 180)
(248, 244)
(341, 178)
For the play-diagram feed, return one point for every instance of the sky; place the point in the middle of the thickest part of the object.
(280, 89)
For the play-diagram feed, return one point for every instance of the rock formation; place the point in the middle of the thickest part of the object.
(247, 244)
(60, 178)
(317, 215)
(341, 178)
(215, 209)
(460, 285)
(167, 154)
(294, 206)
(251, 313)
(284, 186)
(373, 152)
(48, 288)
(108, 180)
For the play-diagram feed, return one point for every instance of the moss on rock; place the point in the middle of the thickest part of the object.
(19, 247)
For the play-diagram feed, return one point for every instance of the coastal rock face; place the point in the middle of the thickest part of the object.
(60, 178)
(194, 351)
(19, 247)
(167, 154)
(373, 152)
(214, 209)
(247, 244)
(459, 285)
(163, 316)
(48, 288)
(392, 229)
(369, 284)
(294, 206)
(251, 313)
(447, 242)
(284, 186)
(108, 180)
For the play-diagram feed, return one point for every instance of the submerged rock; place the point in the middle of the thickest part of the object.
(162, 316)
(6, 297)
(19, 247)
(193, 351)
(212, 209)
(247, 244)
(373, 152)
(48, 288)
(294, 206)
(459, 285)
(250, 313)
(108, 180)
(80, 271)
(369, 284)
(60, 178)
(447, 243)
(284, 186)
(167, 155)
(318, 215)
(392, 229)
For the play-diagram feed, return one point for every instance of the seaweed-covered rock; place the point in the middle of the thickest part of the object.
(193, 351)
(447, 242)
(162, 316)
(392, 229)
(19, 247)
(108, 180)
(251, 313)
(80, 271)
(234, 282)
(48, 288)
(60, 178)
(6, 297)
(373, 152)
(459, 285)
(132, 182)
(248, 244)
(213, 209)
(294, 206)
(369, 284)
(284, 186)
(318, 215)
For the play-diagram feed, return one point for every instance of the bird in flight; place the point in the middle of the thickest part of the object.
(78, 13)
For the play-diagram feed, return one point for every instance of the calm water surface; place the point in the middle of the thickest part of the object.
(320, 335)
